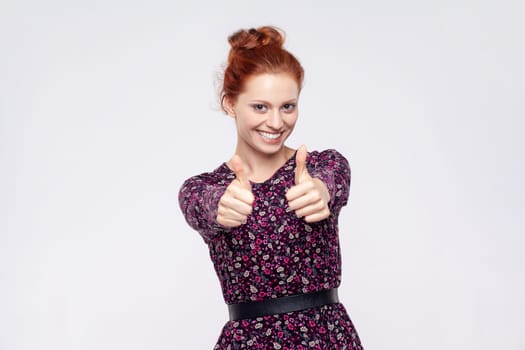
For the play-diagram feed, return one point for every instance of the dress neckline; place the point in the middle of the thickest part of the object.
(288, 162)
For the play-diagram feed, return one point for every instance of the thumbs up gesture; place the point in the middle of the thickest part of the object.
(309, 197)
(236, 203)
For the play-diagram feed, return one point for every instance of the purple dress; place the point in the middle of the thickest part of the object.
(276, 254)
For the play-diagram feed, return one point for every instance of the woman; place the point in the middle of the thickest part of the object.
(269, 215)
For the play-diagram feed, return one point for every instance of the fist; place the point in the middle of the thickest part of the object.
(309, 196)
(236, 203)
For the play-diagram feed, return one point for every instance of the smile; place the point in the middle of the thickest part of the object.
(269, 136)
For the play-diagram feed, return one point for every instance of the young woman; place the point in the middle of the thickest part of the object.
(269, 215)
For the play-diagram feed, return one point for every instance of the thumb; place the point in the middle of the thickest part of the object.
(300, 164)
(238, 168)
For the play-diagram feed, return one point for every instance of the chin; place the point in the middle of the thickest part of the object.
(270, 150)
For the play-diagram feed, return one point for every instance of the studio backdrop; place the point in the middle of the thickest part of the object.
(107, 107)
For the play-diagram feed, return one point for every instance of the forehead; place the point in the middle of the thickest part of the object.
(270, 87)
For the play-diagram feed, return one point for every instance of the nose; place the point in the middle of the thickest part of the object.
(275, 120)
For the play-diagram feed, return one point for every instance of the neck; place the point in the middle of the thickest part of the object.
(261, 166)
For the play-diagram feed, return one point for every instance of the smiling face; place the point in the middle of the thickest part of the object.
(265, 113)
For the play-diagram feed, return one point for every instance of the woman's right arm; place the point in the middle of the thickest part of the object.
(211, 205)
(199, 199)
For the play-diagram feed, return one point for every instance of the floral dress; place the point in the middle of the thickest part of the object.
(275, 254)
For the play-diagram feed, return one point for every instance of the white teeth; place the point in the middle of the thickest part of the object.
(269, 136)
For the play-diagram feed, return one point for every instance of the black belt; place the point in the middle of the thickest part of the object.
(281, 305)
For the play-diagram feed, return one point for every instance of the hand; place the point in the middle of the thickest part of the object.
(236, 203)
(309, 197)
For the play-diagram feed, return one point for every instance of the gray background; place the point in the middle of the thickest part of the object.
(107, 106)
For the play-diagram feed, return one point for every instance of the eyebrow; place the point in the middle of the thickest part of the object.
(292, 100)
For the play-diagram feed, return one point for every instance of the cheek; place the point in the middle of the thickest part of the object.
(292, 120)
(244, 123)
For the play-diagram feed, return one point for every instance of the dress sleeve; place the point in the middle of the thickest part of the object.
(333, 169)
(199, 199)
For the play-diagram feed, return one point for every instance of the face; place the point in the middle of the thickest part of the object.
(265, 113)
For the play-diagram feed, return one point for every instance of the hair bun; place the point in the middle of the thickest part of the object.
(253, 38)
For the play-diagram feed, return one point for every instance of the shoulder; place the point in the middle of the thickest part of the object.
(327, 156)
(221, 175)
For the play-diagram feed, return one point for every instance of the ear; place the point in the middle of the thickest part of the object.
(229, 106)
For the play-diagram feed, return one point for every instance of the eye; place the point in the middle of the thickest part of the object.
(289, 107)
(259, 107)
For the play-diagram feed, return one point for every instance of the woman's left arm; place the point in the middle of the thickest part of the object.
(333, 169)
(321, 184)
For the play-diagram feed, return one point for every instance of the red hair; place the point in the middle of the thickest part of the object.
(253, 52)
